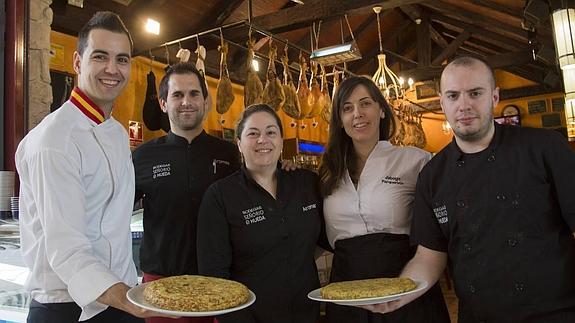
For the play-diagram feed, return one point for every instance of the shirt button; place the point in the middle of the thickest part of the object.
(460, 203)
(519, 287)
(512, 242)
(491, 158)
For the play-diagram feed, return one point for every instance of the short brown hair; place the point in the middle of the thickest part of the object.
(105, 20)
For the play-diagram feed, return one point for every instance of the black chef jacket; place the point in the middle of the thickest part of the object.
(505, 216)
(172, 176)
(268, 244)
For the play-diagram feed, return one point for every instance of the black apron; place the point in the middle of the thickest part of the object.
(375, 256)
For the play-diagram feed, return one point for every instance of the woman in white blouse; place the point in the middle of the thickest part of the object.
(368, 187)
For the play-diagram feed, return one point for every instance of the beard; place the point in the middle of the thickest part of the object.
(186, 122)
(473, 136)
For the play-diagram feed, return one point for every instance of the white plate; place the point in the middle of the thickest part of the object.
(316, 296)
(136, 296)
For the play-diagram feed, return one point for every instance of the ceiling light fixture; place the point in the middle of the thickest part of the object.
(383, 73)
(337, 54)
(255, 65)
(153, 26)
(298, 1)
(563, 30)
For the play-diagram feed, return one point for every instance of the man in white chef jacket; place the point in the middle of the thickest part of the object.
(77, 189)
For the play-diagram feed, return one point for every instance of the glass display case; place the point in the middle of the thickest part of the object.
(306, 154)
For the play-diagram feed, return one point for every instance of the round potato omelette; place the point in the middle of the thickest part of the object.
(193, 293)
(367, 288)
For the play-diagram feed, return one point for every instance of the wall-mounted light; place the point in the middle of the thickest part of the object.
(564, 31)
(153, 26)
(570, 118)
(569, 83)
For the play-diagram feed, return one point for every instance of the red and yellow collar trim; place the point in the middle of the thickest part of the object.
(87, 106)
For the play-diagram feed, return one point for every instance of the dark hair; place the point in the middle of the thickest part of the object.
(181, 68)
(254, 108)
(339, 154)
(105, 20)
(468, 61)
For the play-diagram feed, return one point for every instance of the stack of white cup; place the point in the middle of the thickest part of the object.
(14, 207)
(6, 193)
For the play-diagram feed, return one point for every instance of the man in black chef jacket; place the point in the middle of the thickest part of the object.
(497, 202)
(172, 174)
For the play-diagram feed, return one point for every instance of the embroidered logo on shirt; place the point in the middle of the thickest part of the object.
(309, 207)
(216, 162)
(392, 180)
(254, 215)
(441, 214)
(161, 170)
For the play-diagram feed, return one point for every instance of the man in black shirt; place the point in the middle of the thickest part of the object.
(497, 203)
(172, 174)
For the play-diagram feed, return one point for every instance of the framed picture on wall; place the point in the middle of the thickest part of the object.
(557, 104)
(552, 120)
(537, 106)
(426, 90)
(228, 134)
(135, 133)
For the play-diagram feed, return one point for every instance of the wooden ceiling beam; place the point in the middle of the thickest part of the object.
(423, 43)
(486, 35)
(525, 73)
(414, 12)
(217, 17)
(387, 41)
(497, 7)
(488, 23)
(451, 48)
(300, 16)
(475, 43)
(510, 62)
(510, 59)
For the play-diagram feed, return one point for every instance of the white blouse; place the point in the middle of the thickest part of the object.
(384, 196)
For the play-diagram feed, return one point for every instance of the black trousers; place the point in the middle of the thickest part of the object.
(70, 313)
(381, 255)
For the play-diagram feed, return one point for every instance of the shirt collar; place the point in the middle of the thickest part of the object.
(173, 138)
(87, 106)
(457, 155)
(249, 179)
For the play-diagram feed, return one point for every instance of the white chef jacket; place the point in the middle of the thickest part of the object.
(76, 195)
(384, 196)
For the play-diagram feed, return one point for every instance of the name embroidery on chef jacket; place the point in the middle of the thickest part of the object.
(392, 180)
(254, 215)
(309, 207)
(161, 170)
(440, 212)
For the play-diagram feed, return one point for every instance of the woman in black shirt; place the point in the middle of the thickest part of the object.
(260, 226)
